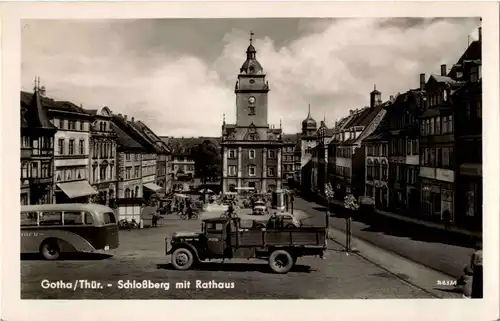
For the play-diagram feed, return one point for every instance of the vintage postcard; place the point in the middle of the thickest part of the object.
(175, 154)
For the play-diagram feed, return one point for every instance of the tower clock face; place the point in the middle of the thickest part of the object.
(251, 100)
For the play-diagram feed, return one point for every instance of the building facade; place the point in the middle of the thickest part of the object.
(37, 150)
(251, 149)
(349, 151)
(288, 161)
(103, 156)
(403, 134)
(467, 103)
(129, 161)
(71, 152)
(437, 147)
(377, 168)
(308, 141)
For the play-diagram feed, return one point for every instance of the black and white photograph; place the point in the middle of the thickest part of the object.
(255, 157)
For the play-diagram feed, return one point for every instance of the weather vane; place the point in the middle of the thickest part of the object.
(251, 36)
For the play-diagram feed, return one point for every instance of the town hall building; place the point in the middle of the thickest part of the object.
(251, 149)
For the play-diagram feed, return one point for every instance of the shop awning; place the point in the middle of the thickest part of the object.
(77, 189)
(152, 186)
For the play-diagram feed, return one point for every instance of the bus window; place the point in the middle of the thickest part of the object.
(29, 219)
(50, 218)
(73, 218)
(89, 220)
(109, 218)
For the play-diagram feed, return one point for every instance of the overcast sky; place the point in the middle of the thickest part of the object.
(178, 75)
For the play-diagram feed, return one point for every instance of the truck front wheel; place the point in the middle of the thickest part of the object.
(280, 261)
(182, 259)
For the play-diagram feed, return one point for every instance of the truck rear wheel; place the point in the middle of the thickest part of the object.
(280, 261)
(182, 259)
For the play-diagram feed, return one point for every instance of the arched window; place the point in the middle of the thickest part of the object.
(137, 191)
(127, 193)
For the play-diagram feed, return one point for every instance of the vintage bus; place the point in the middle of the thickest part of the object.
(52, 229)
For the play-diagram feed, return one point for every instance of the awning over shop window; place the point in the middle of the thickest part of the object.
(77, 189)
(152, 186)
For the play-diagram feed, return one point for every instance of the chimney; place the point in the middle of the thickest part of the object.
(480, 34)
(422, 81)
(443, 70)
(120, 115)
(132, 119)
(125, 116)
(391, 98)
(350, 111)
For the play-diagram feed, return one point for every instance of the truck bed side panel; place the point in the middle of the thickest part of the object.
(295, 237)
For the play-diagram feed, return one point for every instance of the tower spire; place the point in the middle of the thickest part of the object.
(309, 110)
(251, 36)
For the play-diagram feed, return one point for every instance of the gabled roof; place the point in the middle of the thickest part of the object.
(473, 52)
(125, 142)
(35, 112)
(127, 134)
(144, 138)
(54, 105)
(444, 80)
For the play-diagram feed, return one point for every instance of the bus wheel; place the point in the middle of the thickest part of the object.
(280, 261)
(182, 259)
(50, 250)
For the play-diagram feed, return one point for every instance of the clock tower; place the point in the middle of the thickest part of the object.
(251, 92)
(251, 149)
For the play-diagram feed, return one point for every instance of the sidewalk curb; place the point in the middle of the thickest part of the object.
(407, 271)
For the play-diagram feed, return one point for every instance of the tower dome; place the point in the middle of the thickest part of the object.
(251, 65)
(309, 123)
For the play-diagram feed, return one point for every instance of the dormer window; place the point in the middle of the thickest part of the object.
(475, 74)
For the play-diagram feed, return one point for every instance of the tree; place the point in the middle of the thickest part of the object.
(207, 160)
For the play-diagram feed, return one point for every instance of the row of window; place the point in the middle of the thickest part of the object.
(132, 157)
(60, 218)
(252, 170)
(408, 119)
(132, 193)
(436, 125)
(289, 167)
(182, 159)
(184, 168)
(288, 149)
(69, 124)
(402, 147)
(345, 152)
(36, 169)
(377, 150)
(70, 150)
(437, 157)
(106, 173)
(39, 145)
(148, 170)
(343, 171)
(103, 150)
(378, 172)
(136, 173)
(404, 174)
(437, 97)
(271, 154)
(71, 174)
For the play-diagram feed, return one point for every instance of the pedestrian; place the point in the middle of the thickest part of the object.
(464, 283)
(477, 268)
(447, 219)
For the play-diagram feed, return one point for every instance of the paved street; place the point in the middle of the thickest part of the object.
(141, 257)
(446, 258)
